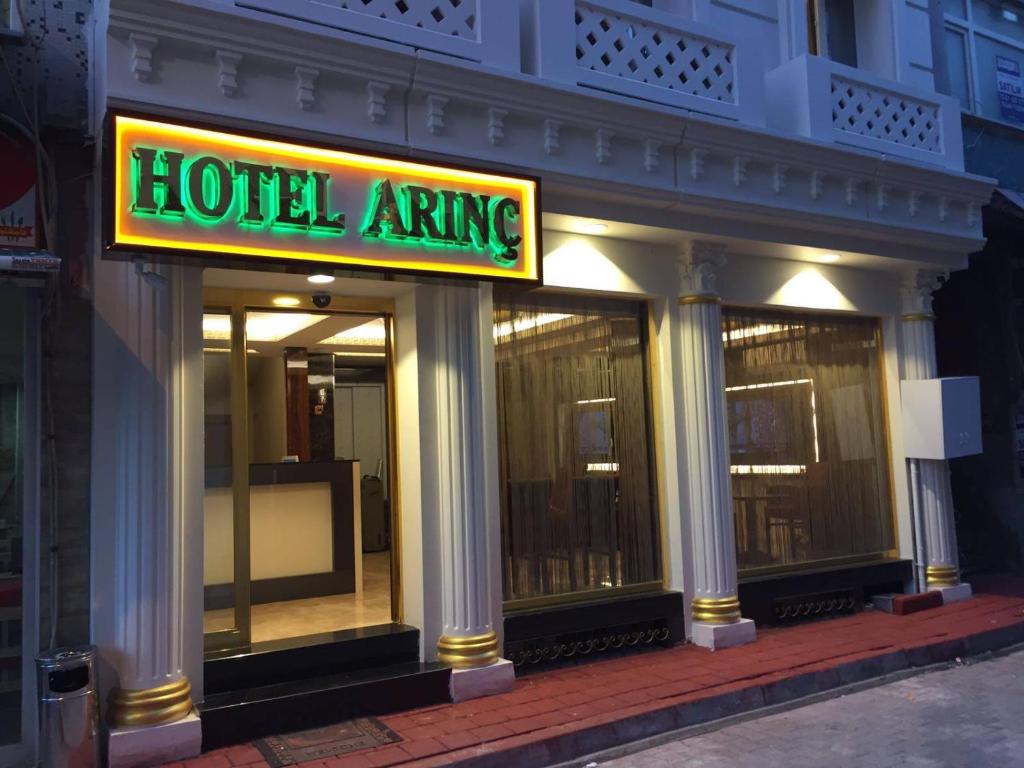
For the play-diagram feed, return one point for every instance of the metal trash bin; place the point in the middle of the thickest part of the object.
(68, 708)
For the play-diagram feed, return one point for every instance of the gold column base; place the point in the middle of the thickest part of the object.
(942, 576)
(716, 610)
(151, 706)
(468, 652)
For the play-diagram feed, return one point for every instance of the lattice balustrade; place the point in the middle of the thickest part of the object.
(660, 56)
(457, 18)
(868, 111)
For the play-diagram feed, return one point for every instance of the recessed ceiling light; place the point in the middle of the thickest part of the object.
(286, 301)
(320, 278)
(584, 227)
(828, 258)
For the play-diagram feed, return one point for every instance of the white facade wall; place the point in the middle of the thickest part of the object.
(759, 165)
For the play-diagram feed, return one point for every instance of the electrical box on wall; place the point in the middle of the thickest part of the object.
(941, 417)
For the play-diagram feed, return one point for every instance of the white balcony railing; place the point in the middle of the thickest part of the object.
(622, 47)
(477, 30)
(821, 99)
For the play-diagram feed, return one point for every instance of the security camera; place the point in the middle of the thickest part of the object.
(322, 300)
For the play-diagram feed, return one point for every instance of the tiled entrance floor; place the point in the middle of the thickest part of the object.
(558, 715)
(313, 615)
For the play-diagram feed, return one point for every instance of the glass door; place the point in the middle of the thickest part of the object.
(226, 552)
(299, 522)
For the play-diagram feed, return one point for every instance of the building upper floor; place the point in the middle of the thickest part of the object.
(798, 121)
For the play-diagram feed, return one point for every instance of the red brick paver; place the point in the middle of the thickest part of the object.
(564, 713)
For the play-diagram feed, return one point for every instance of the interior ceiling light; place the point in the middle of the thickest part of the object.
(584, 227)
(828, 258)
(320, 278)
(274, 326)
(285, 301)
(369, 334)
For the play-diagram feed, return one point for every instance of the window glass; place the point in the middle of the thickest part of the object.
(955, 8)
(956, 57)
(1002, 16)
(12, 532)
(578, 502)
(999, 66)
(840, 38)
(809, 460)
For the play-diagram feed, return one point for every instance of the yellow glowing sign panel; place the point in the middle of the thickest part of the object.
(230, 197)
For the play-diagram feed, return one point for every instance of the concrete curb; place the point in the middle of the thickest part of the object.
(567, 747)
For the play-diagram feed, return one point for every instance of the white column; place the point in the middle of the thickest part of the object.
(463, 433)
(716, 609)
(933, 487)
(144, 475)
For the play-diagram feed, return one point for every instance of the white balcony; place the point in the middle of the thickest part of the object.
(823, 100)
(627, 49)
(485, 31)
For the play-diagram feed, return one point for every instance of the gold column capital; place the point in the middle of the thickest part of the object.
(716, 610)
(469, 651)
(918, 317)
(151, 706)
(941, 575)
(700, 298)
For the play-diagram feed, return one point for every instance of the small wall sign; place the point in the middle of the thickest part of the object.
(1011, 91)
(227, 196)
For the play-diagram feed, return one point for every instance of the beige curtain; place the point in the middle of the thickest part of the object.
(578, 510)
(810, 468)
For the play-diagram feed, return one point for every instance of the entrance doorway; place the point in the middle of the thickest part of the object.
(299, 519)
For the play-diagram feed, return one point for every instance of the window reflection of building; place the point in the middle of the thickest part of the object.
(810, 469)
(578, 503)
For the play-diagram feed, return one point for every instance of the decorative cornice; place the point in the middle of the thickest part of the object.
(551, 136)
(779, 177)
(376, 101)
(435, 113)
(652, 151)
(142, 55)
(227, 77)
(496, 125)
(603, 145)
(305, 87)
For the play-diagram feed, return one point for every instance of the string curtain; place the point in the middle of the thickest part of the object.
(808, 450)
(578, 506)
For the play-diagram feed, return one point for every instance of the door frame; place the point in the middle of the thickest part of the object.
(238, 302)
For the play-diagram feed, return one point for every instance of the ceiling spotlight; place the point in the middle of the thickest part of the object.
(321, 278)
(589, 227)
(828, 258)
(286, 301)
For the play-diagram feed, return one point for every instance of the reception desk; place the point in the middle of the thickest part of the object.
(305, 538)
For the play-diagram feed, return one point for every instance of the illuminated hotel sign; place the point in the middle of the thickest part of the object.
(224, 196)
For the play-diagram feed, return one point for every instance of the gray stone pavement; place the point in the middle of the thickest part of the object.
(969, 716)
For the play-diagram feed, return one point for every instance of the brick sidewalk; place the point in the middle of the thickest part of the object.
(566, 713)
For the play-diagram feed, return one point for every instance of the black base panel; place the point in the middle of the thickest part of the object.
(238, 716)
(758, 595)
(300, 658)
(545, 632)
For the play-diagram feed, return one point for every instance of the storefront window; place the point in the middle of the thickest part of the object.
(809, 458)
(578, 502)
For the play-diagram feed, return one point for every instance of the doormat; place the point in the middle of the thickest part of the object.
(330, 741)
